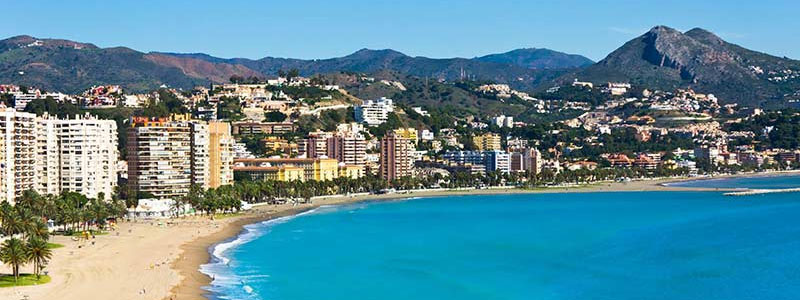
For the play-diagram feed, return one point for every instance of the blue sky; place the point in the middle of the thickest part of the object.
(433, 28)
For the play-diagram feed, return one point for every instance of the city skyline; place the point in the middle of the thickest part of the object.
(470, 29)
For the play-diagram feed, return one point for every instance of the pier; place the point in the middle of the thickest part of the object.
(751, 192)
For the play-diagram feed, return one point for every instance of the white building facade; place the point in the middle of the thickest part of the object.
(374, 112)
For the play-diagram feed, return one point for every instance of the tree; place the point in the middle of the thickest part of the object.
(38, 253)
(274, 116)
(13, 253)
(292, 74)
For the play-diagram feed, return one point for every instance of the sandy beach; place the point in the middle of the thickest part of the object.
(160, 259)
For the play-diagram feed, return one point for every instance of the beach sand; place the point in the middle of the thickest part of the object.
(145, 260)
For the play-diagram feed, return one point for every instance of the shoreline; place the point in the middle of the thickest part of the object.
(161, 259)
(198, 252)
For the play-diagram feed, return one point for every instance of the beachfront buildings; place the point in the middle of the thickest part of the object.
(295, 169)
(349, 148)
(159, 156)
(396, 157)
(51, 155)
(76, 154)
(167, 155)
(220, 152)
(481, 161)
(374, 112)
(17, 152)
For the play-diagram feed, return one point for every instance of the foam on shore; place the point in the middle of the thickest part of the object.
(223, 278)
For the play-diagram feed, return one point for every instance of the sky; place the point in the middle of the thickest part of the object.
(432, 28)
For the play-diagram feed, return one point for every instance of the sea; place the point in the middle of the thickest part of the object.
(604, 245)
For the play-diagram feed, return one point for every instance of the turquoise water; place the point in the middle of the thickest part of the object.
(761, 182)
(626, 245)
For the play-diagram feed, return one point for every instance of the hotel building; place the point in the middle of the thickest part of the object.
(290, 169)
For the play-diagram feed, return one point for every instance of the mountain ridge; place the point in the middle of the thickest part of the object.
(74, 66)
(666, 58)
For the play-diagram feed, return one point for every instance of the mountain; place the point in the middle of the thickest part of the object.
(370, 61)
(538, 58)
(667, 58)
(72, 67)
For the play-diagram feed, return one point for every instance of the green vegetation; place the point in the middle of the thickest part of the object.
(29, 234)
(774, 129)
(23, 280)
(229, 108)
(327, 120)
(52, 107)
(274, 116)
(54, 245)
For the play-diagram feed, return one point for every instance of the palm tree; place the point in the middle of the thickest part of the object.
(13, 252)
(39, 254)
(39, 230)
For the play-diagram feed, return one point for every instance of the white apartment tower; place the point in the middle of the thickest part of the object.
(201, 172)
(78, 155)
(18, 153)
(374, 112)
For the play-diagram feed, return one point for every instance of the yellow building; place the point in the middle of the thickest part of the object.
(287, 169)
(487, 142)
(352, 171)
(326, 169)
(220, 154)
(290, 174)
(277, 144)
(407, 133)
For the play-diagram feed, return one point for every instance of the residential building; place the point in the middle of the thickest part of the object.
(168, 155)
(487, 142)
(77, 155)
(374, 112)
(200, 157)
(497, 161)
(220, 154)
(263, 127)
(18, 153)
(160, 156)
(288, 169)
(407, 133)
(482, 161)
(396, 157)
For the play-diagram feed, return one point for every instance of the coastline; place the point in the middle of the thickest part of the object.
(164, 257)
(198, 252)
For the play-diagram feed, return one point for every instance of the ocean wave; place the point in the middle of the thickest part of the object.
(224, 280)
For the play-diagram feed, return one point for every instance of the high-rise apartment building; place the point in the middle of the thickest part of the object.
(168, 155)
(220, 152)
(77, 155)
(396, 157)
(17, 152)
(51, 155)
(160, 156)
(200, 157)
